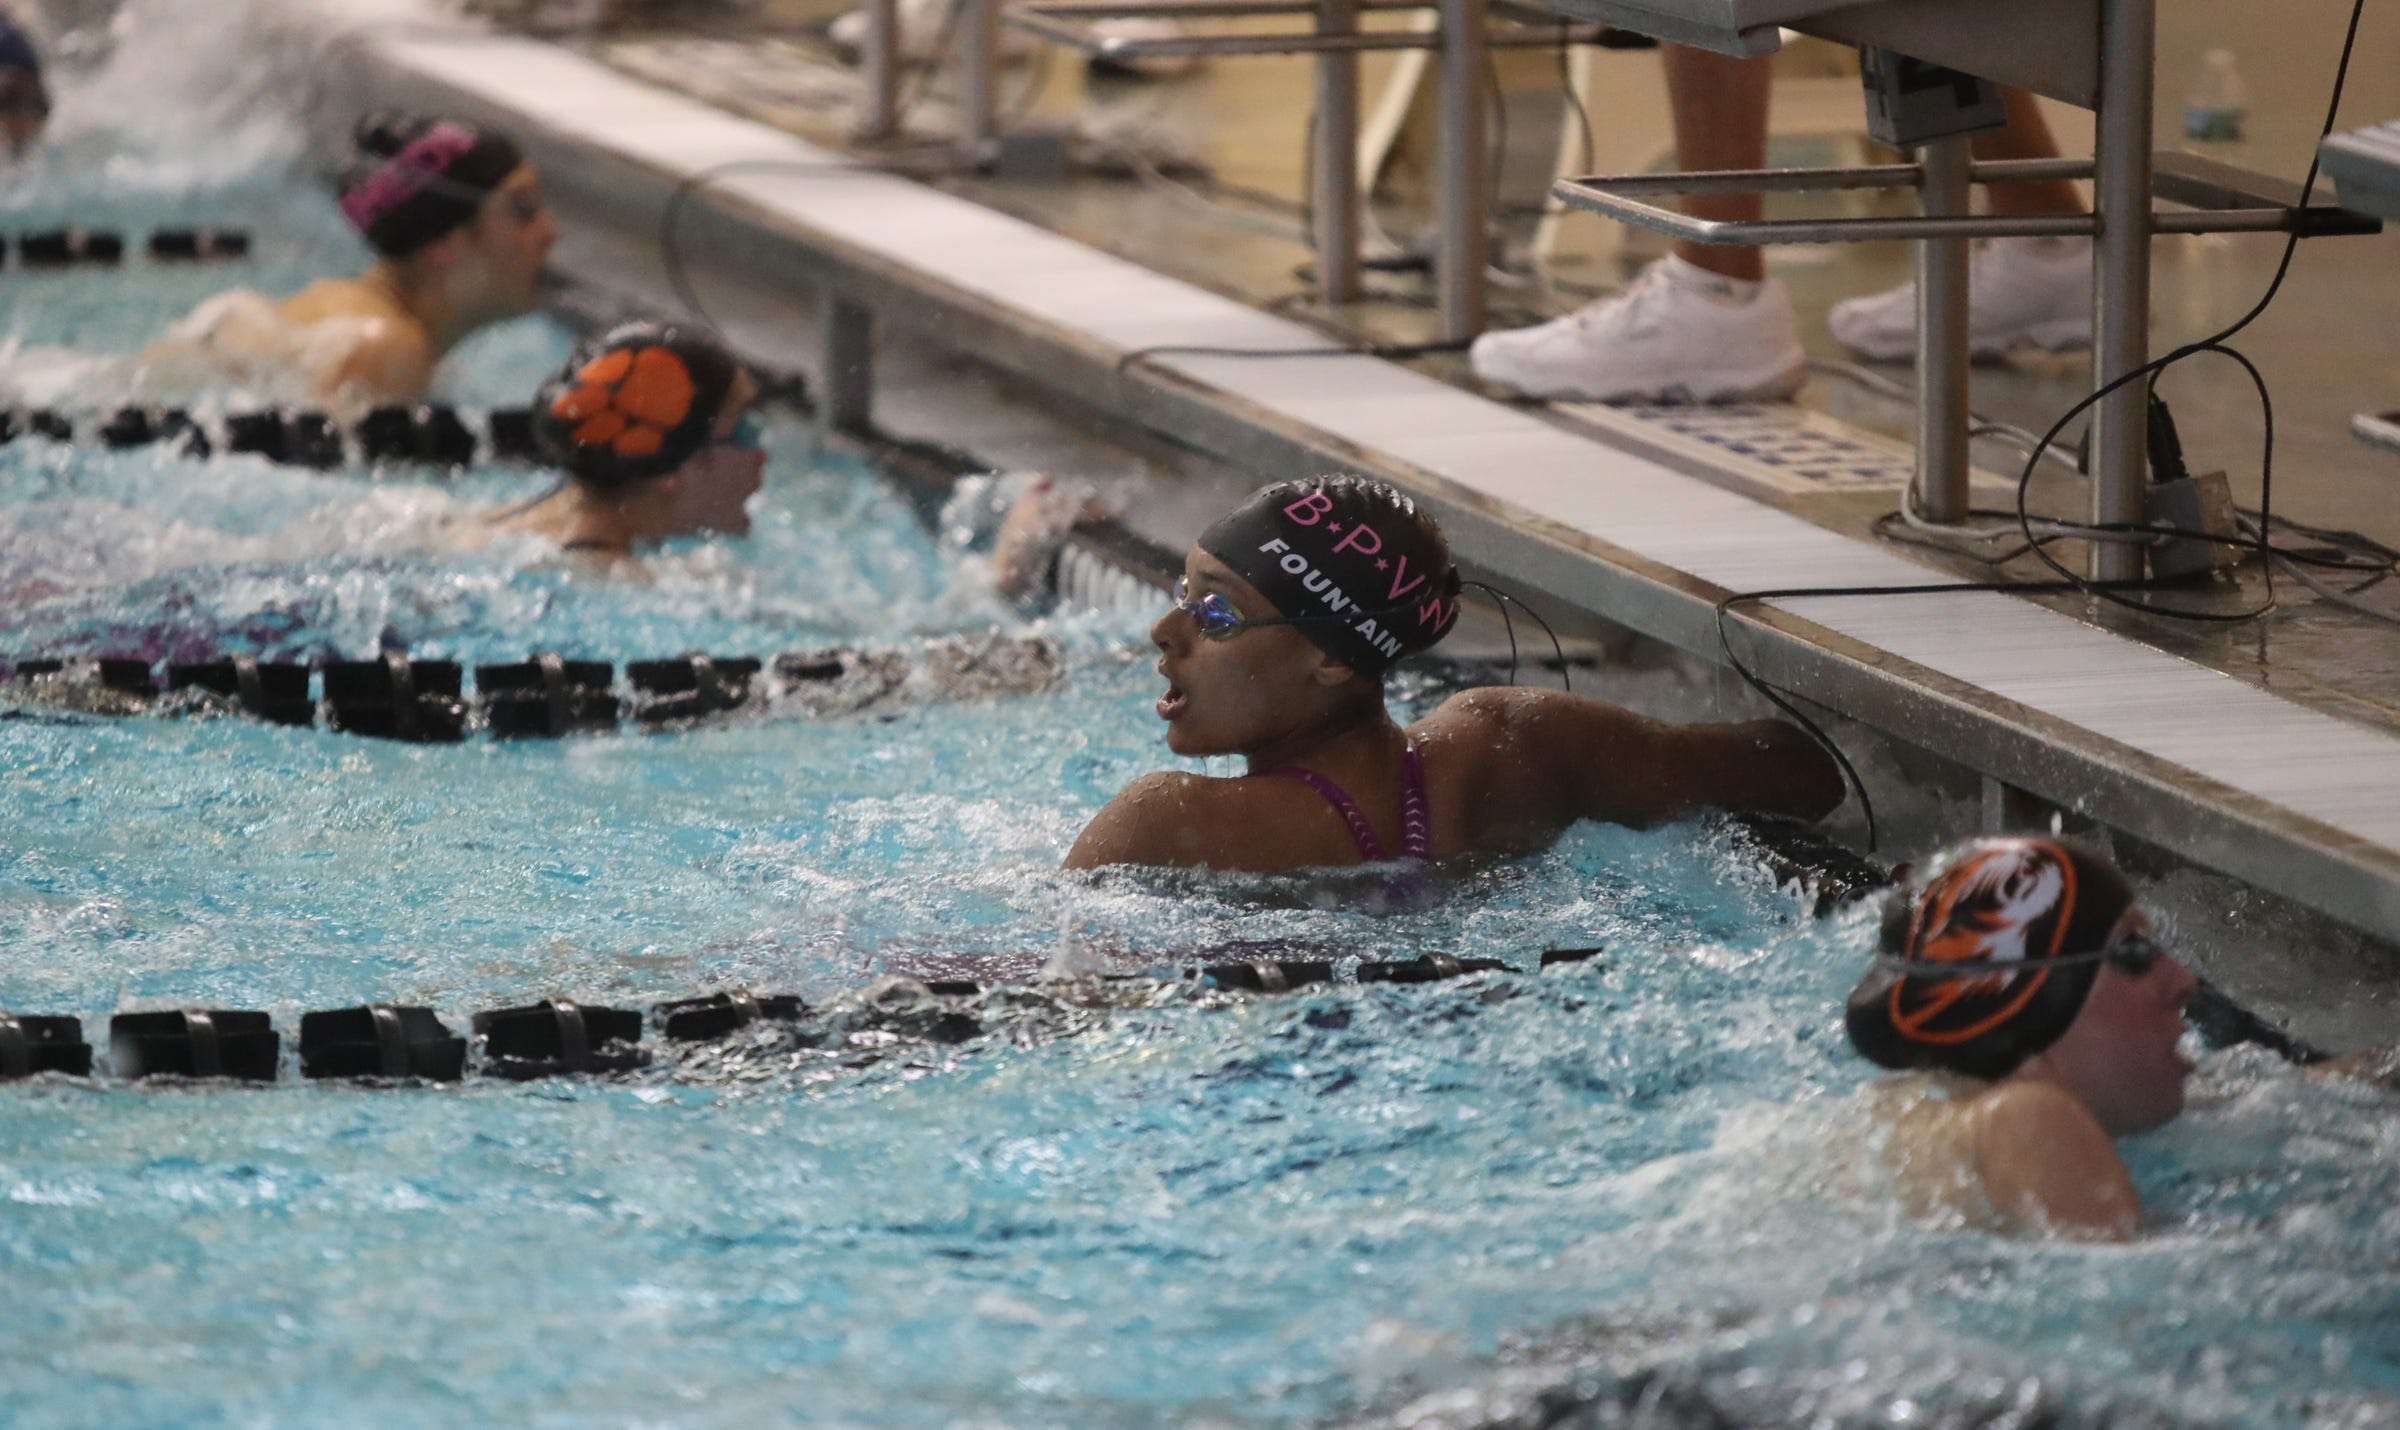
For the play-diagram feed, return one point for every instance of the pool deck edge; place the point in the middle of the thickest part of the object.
(2290, 799)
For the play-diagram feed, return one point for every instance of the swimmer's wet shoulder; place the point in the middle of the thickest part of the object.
(2010, 1156)
(386, 351)
(2046, 1162)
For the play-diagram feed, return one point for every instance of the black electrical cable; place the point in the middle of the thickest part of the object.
(2266, 494)
(1389, 351)
(693, 184)
(1556, 649)
(2216, 343)
(1815, 731)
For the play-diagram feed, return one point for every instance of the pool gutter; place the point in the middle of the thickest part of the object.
(2282, 797)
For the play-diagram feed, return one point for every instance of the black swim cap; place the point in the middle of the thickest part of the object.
(1355, 552)
(21, 89)
(635, 404)
(16, 48)
(2025, 908)
(418, 179)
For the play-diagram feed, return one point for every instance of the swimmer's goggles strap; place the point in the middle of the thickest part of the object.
(2136, 954)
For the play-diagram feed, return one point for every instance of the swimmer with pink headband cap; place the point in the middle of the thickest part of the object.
(24, 99)
(460, 231)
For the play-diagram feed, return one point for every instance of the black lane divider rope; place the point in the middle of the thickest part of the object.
(391, 1045)
(560, 1036)
(430, 435)
(397, 697)
(104, 248)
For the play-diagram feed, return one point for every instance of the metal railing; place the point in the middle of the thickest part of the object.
(2126, 177)
(1463, 38)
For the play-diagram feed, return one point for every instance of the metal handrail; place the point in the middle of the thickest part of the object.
(2219, 199)
(1056, 24)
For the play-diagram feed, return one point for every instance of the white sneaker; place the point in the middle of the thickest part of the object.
(2021, 292)
(1678, 334)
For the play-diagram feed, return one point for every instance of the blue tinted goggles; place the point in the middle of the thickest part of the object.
(1216, 617)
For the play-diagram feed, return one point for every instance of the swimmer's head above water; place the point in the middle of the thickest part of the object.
(24, 100)
(650, 423)
(1291, 610)
(440, 198)
(2005, 951)
(1292, 607)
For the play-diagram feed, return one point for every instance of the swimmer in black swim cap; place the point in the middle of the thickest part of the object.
(24, 100)
(2022, 985)
(1291, 610)
(460, 230)
(651, 424)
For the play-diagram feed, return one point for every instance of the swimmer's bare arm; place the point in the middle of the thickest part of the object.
(1036, 525)
(2047, 1164)
(1550, 758)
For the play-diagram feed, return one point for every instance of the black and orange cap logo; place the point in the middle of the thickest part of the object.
(2008, 905)
(628, 401)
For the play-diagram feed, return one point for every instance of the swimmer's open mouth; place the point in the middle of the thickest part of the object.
(1171, 704)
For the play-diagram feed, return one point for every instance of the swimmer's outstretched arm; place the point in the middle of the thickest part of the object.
(1554, 758)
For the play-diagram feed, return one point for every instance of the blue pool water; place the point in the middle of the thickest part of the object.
(1640, 1182)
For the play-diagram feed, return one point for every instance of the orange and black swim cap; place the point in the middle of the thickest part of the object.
(2020, 919)
(636, 404)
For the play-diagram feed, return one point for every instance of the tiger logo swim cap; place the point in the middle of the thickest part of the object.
(2005, 912)
(637, 404)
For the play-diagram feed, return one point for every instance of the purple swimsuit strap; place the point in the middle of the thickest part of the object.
(1416, 812)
